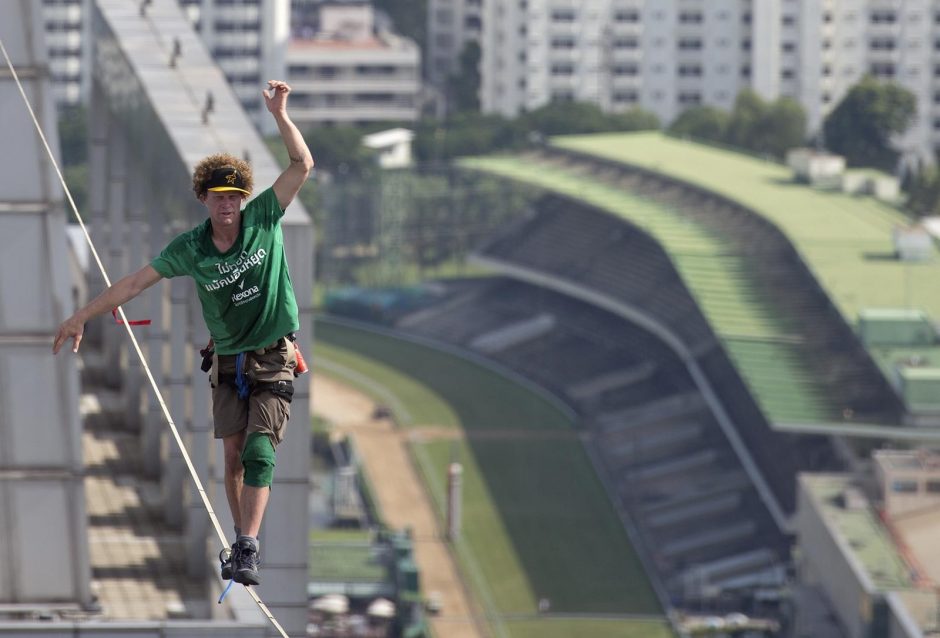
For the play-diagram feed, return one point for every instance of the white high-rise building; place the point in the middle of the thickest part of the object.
(344, 69)
(668, 55)
(247, 38)
(68, 60)
(454, 24)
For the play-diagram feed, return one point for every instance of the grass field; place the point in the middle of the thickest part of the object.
(536, 520)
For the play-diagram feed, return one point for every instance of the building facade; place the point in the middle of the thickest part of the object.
(452, 24)
(668, 55)
(344, 70)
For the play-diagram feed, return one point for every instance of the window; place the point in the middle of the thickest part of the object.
(626, 15)
(883, 44)
(690, 44)
(789, 47)
(882, 69)
(884, 16)
(746, 45)
(562, 69)
(690, 17)
(624, 69)
(933, 487)
(904, 487)
(563, 15)
(563, 42)
(746, 71)
(690, 70)
(788, 74)
(690, 99)
(625, 96)
(625, 43)
(789, 21)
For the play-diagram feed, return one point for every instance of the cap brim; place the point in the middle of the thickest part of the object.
(229, 188)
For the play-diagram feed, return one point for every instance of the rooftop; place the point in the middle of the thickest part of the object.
(860, 530)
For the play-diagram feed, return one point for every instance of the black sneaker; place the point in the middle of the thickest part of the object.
(245, 564)
(225, 557)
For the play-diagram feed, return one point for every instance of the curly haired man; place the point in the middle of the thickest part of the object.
(237, 259)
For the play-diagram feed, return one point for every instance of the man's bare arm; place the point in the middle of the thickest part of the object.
(288, 184)
(119, 293)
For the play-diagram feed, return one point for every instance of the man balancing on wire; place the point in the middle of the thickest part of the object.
(237, 259)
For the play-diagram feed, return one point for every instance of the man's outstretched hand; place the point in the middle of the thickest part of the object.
(72, 329)
(275, 96)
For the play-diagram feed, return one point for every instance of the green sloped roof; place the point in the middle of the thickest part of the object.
(845, 240)
(738, 309)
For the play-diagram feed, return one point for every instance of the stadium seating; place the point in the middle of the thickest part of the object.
(667, 459)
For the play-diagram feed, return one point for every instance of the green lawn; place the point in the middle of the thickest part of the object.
(433, 385)
(537, 522)
(579, 628)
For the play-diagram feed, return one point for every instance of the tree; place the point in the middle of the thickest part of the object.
(746, 119)
(862, 124)
(566, 118)
(409, 17)
(923, 191)
(339, 150)
(464, 86)
(702, 123)
(783, 127)
(767, 128)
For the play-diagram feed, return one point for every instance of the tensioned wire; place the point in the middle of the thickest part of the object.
(130, 332)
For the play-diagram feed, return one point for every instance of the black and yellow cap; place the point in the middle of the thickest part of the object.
(226, 178)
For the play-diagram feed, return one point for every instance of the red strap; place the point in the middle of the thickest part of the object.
(140, 322)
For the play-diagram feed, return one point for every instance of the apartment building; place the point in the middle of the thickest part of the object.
(68, 60)
(454, 24)
(668, 55)
(344, 70)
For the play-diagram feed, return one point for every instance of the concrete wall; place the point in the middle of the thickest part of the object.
(43, 544)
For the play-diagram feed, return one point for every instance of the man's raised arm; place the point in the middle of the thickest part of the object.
(292, 179)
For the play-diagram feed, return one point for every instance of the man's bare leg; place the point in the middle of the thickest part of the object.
(232, 446)
(253, 502)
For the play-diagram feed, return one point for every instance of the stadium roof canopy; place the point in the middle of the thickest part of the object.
(846, 242)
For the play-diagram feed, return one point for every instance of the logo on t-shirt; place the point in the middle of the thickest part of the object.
(234, 271)
(244, 296)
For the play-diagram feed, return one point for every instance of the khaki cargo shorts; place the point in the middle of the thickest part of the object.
(262, 411)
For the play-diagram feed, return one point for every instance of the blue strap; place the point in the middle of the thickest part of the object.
(225, 591)
(241, 382)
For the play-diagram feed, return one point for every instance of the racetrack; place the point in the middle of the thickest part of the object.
(402, 499)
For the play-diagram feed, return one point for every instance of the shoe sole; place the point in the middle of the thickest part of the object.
(248, 578)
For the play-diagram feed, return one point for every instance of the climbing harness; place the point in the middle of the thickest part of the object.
(127, 325)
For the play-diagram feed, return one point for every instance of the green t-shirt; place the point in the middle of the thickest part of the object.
(246, 293)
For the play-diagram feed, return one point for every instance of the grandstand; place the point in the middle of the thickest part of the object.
(665, 459)
(702, 327)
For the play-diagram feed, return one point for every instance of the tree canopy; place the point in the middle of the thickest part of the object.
(861, 126)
